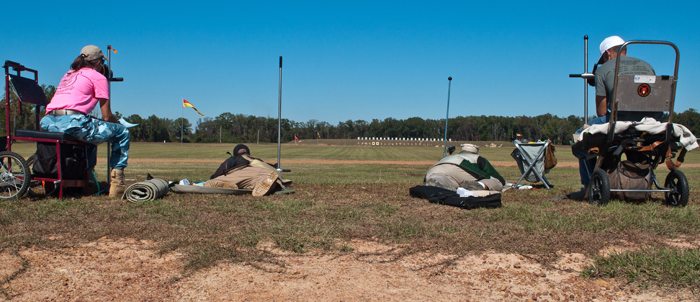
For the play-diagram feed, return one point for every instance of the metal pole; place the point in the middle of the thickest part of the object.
(182, 120)
(449, 86)
(110, 79)
(109, 93)
(279, 121)
(585, 82)
(586, 77)
(109, 75)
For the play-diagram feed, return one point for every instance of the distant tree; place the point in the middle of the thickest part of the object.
(157, 129)
(181, 127)
(690, 119)
(240, 128)
(413, 127)
(136, 133)
(205, 130)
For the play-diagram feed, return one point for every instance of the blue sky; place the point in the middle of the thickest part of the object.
(349, 60)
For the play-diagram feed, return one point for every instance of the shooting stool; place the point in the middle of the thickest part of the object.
(61, 143)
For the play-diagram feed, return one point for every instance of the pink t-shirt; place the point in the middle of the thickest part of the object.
(79, 90)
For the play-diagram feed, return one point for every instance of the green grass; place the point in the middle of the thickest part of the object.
(292, 151)
(336, 203)
(653, 266)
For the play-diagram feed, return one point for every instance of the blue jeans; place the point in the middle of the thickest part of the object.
(586, 166)
(93, 131)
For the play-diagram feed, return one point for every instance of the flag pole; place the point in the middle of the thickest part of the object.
(109, 95)
(447, 115)
(279, 121)
(182, 118)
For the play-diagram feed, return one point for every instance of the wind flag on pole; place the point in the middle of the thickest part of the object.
(185, 103)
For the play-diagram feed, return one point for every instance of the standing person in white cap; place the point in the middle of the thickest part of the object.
(604, 84)
(79, 91)
(465, 169)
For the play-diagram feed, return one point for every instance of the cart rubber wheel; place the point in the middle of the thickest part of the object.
(678, 183)
(599, 188)
(14, 176)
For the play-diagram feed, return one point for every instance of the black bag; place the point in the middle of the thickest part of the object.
(74, 161)
(451, 198)
(631, 176)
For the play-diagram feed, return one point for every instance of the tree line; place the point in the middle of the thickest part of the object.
(241, 128)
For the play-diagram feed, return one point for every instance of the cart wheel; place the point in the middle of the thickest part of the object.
(14, 175)
(599, 188)
(678, 183)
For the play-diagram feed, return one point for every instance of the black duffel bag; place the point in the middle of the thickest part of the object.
(451, 198)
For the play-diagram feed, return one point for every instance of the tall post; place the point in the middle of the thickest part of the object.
(586, 77)
(109, 94)
(109, 83)
(279, 120)
(449, 86)
(585, 83)
(110, 79)
(182, 120)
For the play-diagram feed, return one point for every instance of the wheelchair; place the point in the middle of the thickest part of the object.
(645, 143)
(15, 175)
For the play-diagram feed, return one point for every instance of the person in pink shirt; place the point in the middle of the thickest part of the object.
(80, 90)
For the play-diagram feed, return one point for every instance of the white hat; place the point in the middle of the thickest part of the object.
(474, 149)
(608, 43)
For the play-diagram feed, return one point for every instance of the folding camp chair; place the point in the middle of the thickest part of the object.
(15, 175)
(530, 158)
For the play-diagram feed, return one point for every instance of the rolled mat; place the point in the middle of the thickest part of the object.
(146, 190)
(208, 190)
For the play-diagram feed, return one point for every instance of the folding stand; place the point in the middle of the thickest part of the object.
(531, 155)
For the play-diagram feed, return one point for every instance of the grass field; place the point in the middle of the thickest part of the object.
(335, 203)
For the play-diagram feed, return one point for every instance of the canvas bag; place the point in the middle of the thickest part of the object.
(630, 175)
(550, 161)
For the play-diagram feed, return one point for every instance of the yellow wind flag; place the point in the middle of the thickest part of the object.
(185, 103)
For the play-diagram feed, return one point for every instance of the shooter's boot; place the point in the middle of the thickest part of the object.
(117, 186)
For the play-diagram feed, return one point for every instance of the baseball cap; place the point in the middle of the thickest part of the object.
(608, 43)
(92, 52)
(240, 147)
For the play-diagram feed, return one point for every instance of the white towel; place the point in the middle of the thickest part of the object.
(649, 125)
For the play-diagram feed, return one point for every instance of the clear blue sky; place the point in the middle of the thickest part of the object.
(352, 59)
